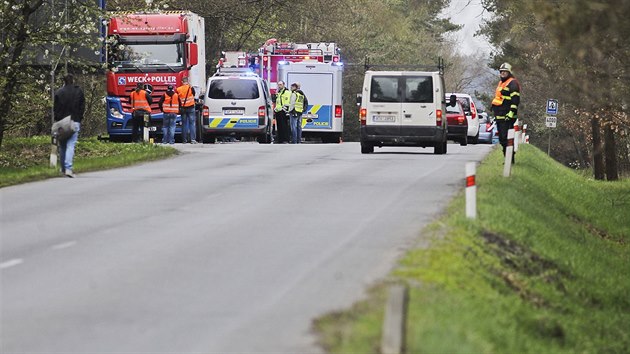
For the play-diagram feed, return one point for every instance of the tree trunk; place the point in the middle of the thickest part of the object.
(598, 157)
(610, 150)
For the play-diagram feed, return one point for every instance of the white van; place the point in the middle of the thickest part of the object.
(237, 104)
(403, 108)
(322, 83)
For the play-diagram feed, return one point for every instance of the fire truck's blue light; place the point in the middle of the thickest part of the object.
(338, 63)
(282, 62)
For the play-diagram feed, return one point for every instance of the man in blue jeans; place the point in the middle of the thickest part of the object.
(169, 105)
(296, 108)
(69, 101)
(186, 95)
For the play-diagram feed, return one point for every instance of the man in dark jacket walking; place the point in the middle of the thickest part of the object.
(69, 101)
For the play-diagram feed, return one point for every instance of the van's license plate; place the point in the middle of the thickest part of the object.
(230, 112)
(379, 118)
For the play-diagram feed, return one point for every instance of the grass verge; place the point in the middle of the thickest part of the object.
(544, 268)
(27, 159)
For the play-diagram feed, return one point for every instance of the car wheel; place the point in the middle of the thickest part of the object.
(208, 139)
(367, 148)
(475, 139)
(440, 148)
(464, 141)
(199, 127)
(266, 138)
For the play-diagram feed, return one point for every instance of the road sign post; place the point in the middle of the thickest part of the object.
(552, 106)
(551, 120)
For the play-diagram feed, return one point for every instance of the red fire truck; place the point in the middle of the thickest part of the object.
(274, 52)
(316, 66)
(156, 49)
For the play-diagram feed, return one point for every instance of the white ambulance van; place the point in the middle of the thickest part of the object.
(403, 108)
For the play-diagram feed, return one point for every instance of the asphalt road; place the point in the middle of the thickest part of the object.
(226, 248)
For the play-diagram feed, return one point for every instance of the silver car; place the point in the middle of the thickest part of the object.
(488, 132)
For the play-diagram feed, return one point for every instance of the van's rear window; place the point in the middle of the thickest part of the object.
(416, 89)
(419, 89)
(234, 89)
(384, 89)
(464, 101)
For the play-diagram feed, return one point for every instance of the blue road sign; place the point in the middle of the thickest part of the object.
(552, 106)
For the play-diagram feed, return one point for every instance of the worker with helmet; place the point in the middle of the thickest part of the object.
(505, 103)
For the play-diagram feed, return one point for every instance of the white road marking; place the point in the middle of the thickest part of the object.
(64, 245)
(11, 263)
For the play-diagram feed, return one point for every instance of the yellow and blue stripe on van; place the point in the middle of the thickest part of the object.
(233, 123)
(321, 117)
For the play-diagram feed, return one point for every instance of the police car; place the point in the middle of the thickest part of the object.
(237, 104)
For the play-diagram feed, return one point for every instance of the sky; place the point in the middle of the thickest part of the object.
(470, 14)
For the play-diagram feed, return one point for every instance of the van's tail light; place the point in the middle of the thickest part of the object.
(206, 112)
(363, 115)
(438, 117)
(261, 115)
(338, 111)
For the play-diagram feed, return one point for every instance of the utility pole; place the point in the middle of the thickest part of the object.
(53, 146)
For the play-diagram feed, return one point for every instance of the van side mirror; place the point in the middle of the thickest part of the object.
(452, 101)
(359, 98)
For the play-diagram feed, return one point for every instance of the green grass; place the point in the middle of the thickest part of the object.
(27, 159)
(544, 269)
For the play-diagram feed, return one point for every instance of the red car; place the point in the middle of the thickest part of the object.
(457, 123)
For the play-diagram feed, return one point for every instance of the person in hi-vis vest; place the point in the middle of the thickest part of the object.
(296, 108)
(189, 117)
(505, 103)
(140, 105)
(283, 97)
(169, 104)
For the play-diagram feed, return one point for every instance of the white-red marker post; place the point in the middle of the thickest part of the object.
(524, 135)
(517, 135)
(509, 151)
(471, 191)
(145, 129)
